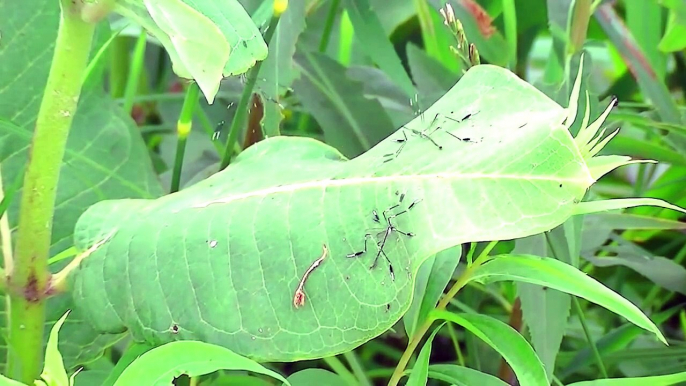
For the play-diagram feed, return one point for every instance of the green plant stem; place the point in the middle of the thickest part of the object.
(445, 300)
(242, 108)
(119, 66)
(510, 20)
(362, 379)
(328, 26)
(339, 368)
(209, 129)
(135, 71)
(183, 129)
(5, 242)
(456, 344)
(470, 253)
(589, 338)
(29, 279)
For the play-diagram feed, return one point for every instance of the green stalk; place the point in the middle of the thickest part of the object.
(339, 368)
(328, 26)
(510, 20)
(209, 129)
(5, 241)
(355, 365)
(461, 281)
(456, 344)
(589, 338)
(30, 279)
(134, 72)
(242, 108)
(183, 128)
(119, 66)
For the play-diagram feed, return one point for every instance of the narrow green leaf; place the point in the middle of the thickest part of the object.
(640, 148)
(661, 380)
(313, 376)
(667, 187)
(617, 339)
(634, 221)
(436, 37)
(161, 365)
(662, 271)
(674, 38)
(351, 122)
(622, 203)
(54, 373)
(4, 381)
(546, 311)
(431, 280)
(420, 372)
(132, 353)
(433, 79)
(67, 253)
(463, 376)
(562, 277)
(375, 43)
(506, 341)
(653, 87)
(646, 22)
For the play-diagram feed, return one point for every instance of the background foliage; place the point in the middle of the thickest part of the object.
(350, 73)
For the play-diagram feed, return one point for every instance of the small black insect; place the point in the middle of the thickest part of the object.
(427, 134)
(389, 229)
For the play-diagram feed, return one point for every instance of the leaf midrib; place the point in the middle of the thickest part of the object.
(375, 180)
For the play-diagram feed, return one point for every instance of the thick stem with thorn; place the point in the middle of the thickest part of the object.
(29, 281)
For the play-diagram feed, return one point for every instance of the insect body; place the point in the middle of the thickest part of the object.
(383, 235)
(426, 134)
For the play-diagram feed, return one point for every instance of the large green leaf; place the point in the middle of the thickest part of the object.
(105, 155)
(220, 261)
(205, 40)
